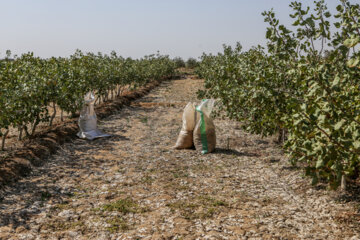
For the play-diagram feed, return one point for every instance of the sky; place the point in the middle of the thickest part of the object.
(134, 28)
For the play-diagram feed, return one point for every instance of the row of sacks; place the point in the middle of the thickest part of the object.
(198, 129)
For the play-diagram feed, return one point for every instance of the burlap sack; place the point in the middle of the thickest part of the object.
(204, 135)
(185, 139)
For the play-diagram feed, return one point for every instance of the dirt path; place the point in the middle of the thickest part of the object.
(134, 186)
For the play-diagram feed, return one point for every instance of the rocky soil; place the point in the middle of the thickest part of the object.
(135, 186)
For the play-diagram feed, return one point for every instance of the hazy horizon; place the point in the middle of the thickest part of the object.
(135, 28)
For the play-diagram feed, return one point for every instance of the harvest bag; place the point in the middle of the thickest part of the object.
(204, 132)
(88, 120)
(185, 139)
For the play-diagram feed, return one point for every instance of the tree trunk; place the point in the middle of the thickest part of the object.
(282, 136)
(343, 183)
(26, 131)
(36, 123)
(3, 139)
(121, 90)
(118, 91)
(53, 115)
(62, 115)
(20, 128)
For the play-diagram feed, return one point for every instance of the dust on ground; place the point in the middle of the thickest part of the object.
(135, 186)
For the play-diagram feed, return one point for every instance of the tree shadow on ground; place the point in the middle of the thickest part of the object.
(352, 194)
(38, 192)
(235, 152)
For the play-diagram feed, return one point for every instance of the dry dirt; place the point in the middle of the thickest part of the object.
(17, 161)
(135, 186)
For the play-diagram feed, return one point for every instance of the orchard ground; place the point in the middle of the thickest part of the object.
(135, 186)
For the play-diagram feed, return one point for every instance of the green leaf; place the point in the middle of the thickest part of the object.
(327, 14)
(357, 144)
(351, 42)
(319, 163)
(339, 124)
(339, 8)
(336, 81)
(337, 25)
(353, 62)
(322, 118)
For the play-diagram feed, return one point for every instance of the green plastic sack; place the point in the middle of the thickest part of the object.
(204, 133)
